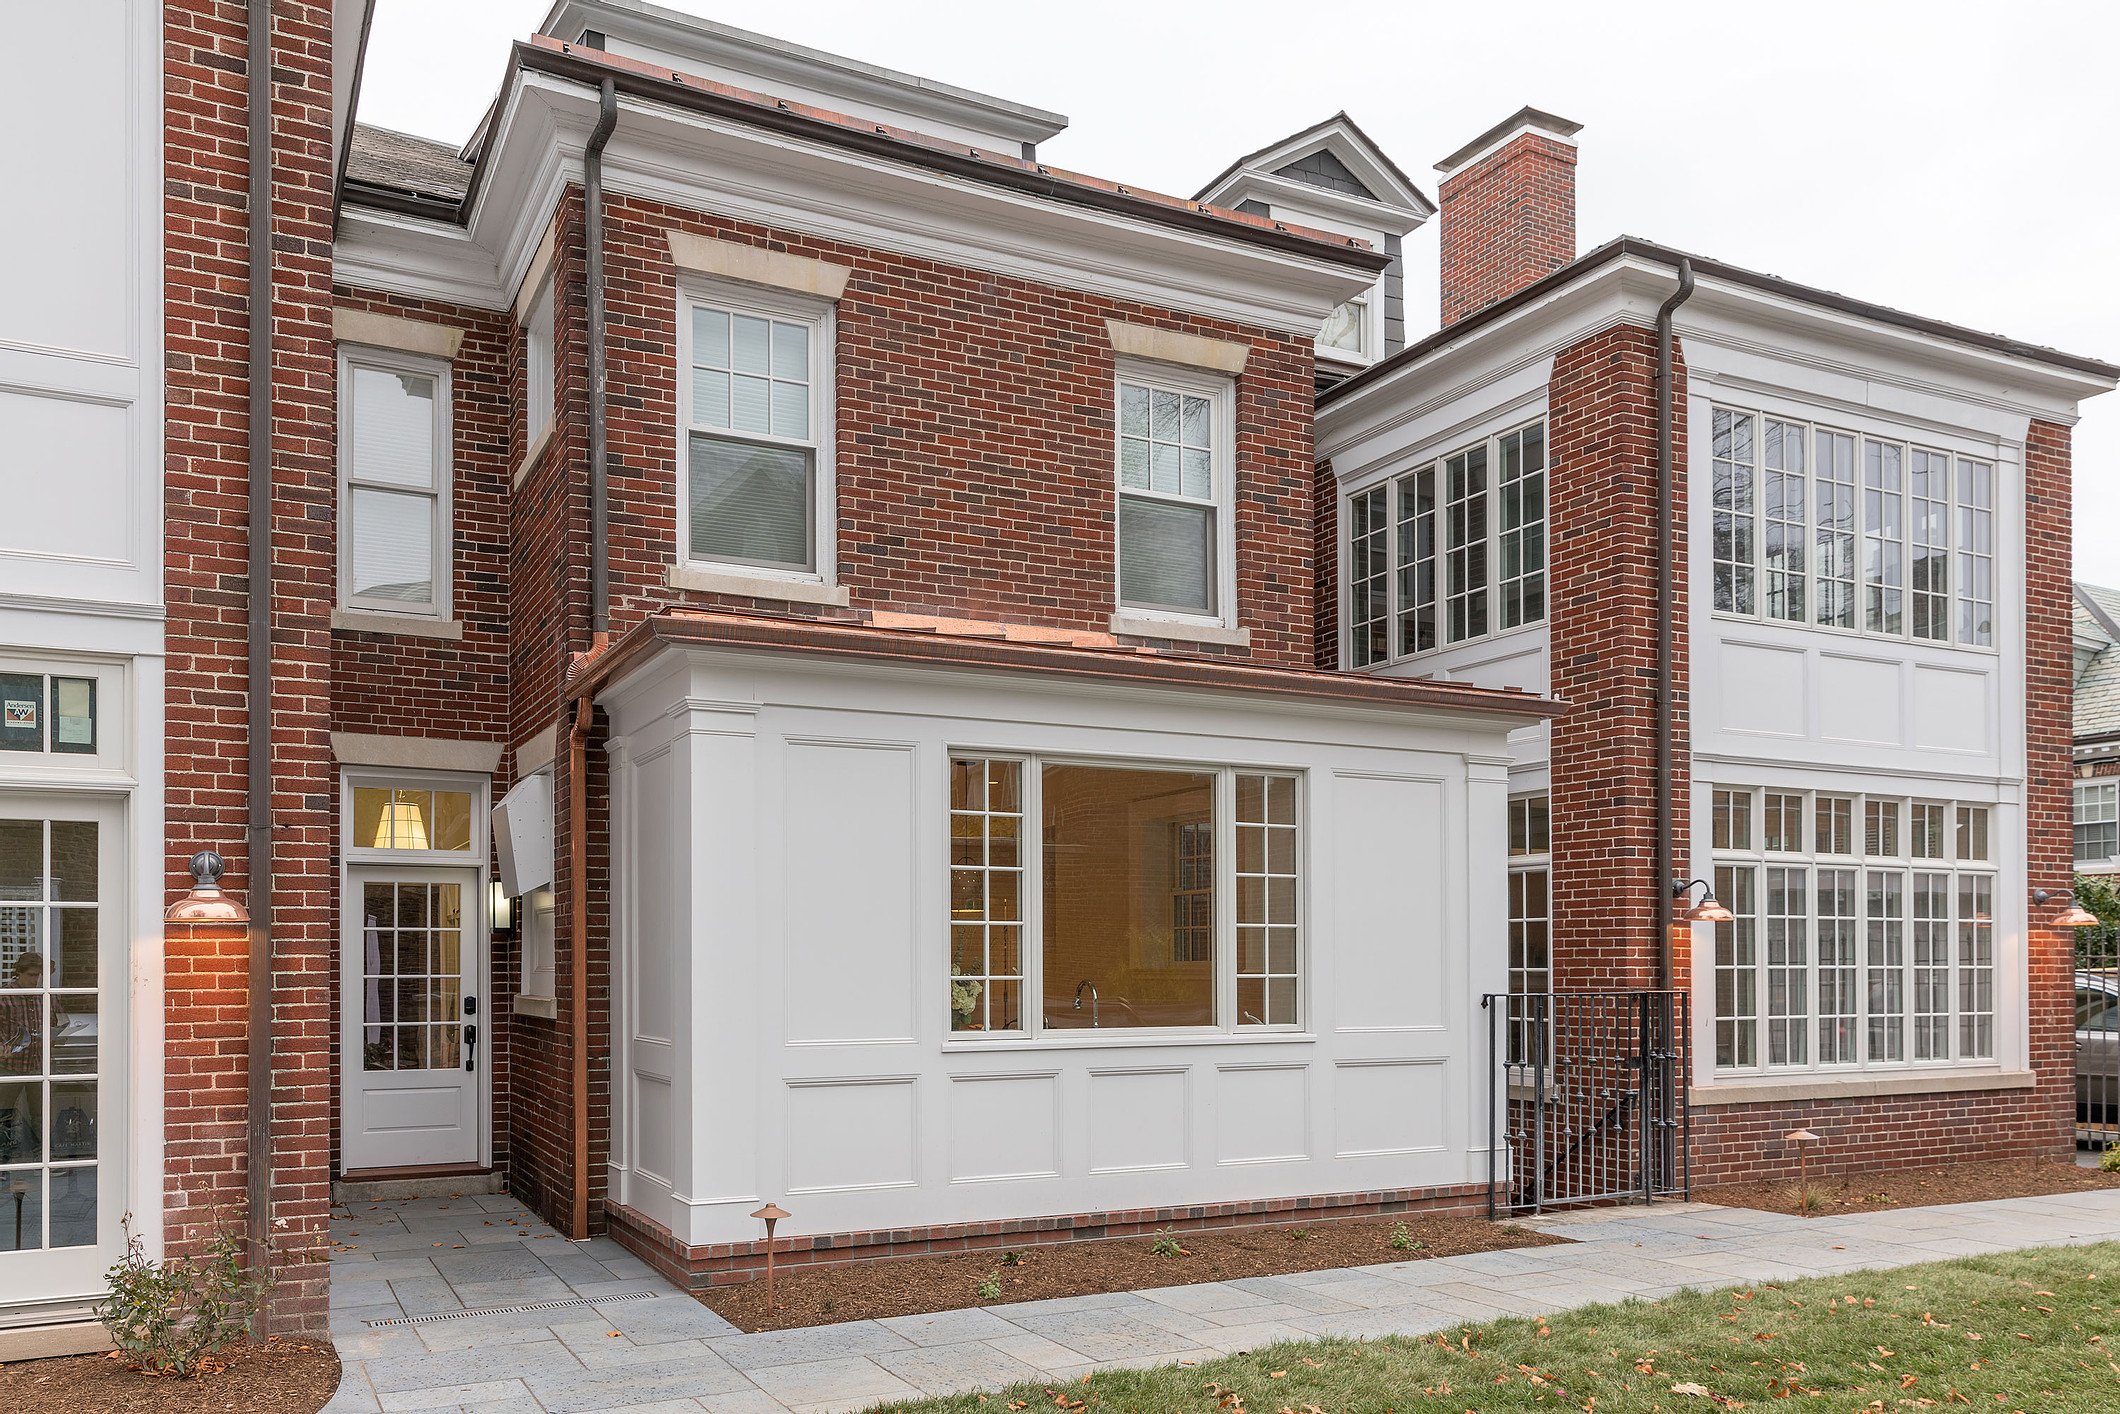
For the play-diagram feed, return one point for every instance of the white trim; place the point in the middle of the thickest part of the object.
(820, 318)
(1221, 392)
(443, 490)
(1183, 350)
(389, 331)
(755, 585)
(540, 267)
(756, 265)
(1389, 191)
(1508, 135)
(400, 625)
(1738, 1091)
(416, 753)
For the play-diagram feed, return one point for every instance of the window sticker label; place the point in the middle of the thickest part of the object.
(21, 723)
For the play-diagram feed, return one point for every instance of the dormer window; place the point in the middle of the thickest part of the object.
(1346, 330)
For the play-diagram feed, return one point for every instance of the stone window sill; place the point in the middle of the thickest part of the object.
(755, 586)
(1858, 1086)
(401, 625)
(1141, 626)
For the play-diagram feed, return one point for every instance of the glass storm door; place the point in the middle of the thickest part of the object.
(411, 1017)
(62, 1048)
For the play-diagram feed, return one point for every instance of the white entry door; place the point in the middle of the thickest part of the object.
(62, 1048)
(412, 1017)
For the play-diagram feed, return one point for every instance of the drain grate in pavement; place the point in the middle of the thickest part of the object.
(571, 1303)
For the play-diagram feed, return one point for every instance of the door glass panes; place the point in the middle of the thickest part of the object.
(412, 976)
(50, 1060)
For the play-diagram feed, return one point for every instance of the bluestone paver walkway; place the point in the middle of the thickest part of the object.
(629, 1341)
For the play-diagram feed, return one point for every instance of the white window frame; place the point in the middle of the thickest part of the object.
(1372, 302)
(539, 367)
(2101, 794)
(385, 778)
(1959, 556)
(1227, 1021)
(821, 317)
(1221, 392)
(1523, 864)
(1395, 598)
(1812, 864)
(351, 356)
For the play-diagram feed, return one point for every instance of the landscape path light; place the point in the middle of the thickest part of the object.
(770, 1214)
(1803, 1139)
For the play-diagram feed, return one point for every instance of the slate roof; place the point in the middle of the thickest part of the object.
(2097, 622)
(399, 161)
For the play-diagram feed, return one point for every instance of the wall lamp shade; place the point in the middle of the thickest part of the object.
(501, 909)
(1705, 911)
(2072, 914)
(206, 906)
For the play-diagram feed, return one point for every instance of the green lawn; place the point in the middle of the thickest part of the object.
(2025, 1331)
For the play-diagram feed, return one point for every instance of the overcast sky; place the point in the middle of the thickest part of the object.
(1952, 159)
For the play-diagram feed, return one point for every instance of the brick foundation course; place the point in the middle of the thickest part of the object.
(726, 1264)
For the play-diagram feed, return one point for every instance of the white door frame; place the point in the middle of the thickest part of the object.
(69, 1275)
(357, 861)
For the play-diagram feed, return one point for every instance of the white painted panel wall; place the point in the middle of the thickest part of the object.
(804, 815)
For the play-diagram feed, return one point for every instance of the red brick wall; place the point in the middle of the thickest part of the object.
(209, 717)
(1506, 220)
(1325, 536)
(1601, 431)
(975, 440)
(397, 685)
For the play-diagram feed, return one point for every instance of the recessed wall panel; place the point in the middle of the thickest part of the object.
(1387, 914)
(850, 1135)
(847, 873)
(1860, 700)
(1388, 1107)
(1137, 1120)
(68, 486)
(1004, 1127)
(1262, 1114)
(1951, 710)
(1762, 690)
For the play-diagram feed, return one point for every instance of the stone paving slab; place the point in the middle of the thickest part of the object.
(667, 1354)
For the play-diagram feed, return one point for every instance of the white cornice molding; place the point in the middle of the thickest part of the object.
(1329, 207)
(1361, 157)
(714, 165)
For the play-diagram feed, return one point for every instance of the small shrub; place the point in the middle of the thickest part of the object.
(990, 1287)
(1810, 1200)
(1402, 1239)
(1012, 1259)
(828, 1305)
(2110, 1160)
(1299, 1234)
(1166, 1245)
(175, 1317)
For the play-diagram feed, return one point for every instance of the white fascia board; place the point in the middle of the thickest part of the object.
(1309, 205)
(404, 255)
(1358, 156)
(710, 164)
(1903, 372)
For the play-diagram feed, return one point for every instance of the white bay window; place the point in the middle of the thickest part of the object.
(1462, 557)
(1850, 948)
(1097, 896)
(1812, 525)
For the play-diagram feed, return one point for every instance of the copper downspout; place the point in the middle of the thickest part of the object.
(578, 953)
(258, 805)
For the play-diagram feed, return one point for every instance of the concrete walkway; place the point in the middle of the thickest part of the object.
(625, 1340)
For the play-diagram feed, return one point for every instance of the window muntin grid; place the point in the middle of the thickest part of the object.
(412, 975)
(1888, 959)
(1368, 577)
(986, 895)
(2097, 821)
(1469, 557)
(1269, 951)
(1809, 524)
(1530, 919)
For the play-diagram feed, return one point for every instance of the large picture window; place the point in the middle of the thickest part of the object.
(1812, 525)
(1089, 896)
(394, 470)
(1465, 556)
(757, 421)
(1851, 947)
(1174, 477)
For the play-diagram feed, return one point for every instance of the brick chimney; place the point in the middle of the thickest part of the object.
(1508, 210)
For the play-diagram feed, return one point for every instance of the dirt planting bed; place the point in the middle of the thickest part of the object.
(278, 1377)
(1870, 1191)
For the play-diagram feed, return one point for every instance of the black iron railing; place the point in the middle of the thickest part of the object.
(2097, 1003)
(1587, 1098)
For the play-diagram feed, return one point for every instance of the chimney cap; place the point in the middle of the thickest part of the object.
(1525, 119)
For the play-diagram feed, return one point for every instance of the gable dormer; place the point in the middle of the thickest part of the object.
(1333, 175)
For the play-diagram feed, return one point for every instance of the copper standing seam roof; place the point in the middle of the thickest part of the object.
(376, 186)
(1080, 656)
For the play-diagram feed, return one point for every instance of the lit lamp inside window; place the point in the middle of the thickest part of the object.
(404, 822)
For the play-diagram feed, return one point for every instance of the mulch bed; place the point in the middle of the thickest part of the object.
(910, 1286)
(1871, 1191)
(278, 1377)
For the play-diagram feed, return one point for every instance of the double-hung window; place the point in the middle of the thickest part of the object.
(394, 473)
(1175, 474)
(756, 415)
(1450, 551)
(1811, 525)
(1530, 923)
(1862, 931)
(2097, 821)
(1090, 896)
